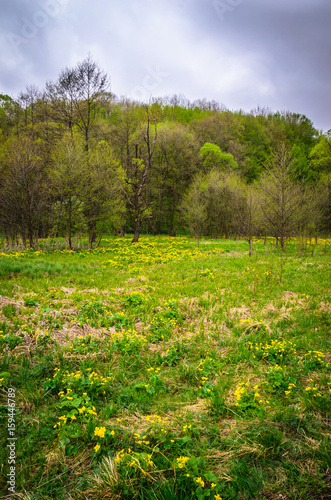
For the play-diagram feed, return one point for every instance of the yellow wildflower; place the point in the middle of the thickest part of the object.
(200, 481)
(100, 431)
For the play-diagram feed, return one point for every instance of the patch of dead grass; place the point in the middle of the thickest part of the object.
(242, 312)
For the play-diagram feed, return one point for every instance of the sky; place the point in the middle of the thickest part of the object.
(241, 53)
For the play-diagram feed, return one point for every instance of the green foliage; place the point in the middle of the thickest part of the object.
(30, 302)
(91, 310)
(10, 339)
(278, 379)
(134, 299)
(212, 158)
(102, 166)
(320, 156)
(9, 311)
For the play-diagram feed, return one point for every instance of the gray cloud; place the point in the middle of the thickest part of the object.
(249, 52)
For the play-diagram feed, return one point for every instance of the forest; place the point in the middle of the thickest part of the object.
(77, 160)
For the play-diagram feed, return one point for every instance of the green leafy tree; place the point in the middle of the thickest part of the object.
(212, 157)
(257, 147)
(6, 119)
(175, 164)
(320, 156)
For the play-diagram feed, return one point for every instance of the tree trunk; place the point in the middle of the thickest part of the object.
(136, 232)
(30, 235)
(7, 237)
(92, 234)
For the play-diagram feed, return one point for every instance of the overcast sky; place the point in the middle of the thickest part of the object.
(242, 53)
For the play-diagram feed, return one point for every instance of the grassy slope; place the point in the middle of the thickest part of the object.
(179, 372)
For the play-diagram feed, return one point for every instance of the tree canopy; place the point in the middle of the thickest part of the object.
(74, 158)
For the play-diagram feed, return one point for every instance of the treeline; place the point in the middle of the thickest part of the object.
(75, 159)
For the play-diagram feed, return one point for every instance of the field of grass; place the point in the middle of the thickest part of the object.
(166, 370)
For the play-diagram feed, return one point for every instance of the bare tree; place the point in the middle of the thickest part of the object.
(138, 174)
(102, 192)
(28, 99)
(194, 208)
(77, 95)
(246, 205)
(66, 181)
(23, 187)
(63, 96)
(282, 198)
(93, 83)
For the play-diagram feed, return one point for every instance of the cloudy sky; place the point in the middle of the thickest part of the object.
(242, 53)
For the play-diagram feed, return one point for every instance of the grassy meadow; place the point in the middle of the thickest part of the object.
(167, 370)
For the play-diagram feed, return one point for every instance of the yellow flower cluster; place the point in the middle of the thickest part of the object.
(208, 273)
(156, 419)
(62, 420)
(181, 462)
(318, 392)
(135, 460)
(315, 394)
(201, 365)
(146, 251)
(203, 381)
(243, 389)
(129, 338)
(289, 389)
(239, 392)
(315, 357)
(120, 455)
(140, 439)
(277, 368)
(73, 378)
(94, 377)
(276, 348)
(155, 370)
(100, 431)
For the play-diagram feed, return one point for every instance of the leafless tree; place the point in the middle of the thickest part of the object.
(283, 199)
(77, 95)
(138, 174)
(23, 187)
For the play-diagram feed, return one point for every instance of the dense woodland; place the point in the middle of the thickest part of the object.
(75, 160)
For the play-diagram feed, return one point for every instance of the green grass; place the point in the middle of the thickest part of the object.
(165, 370)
